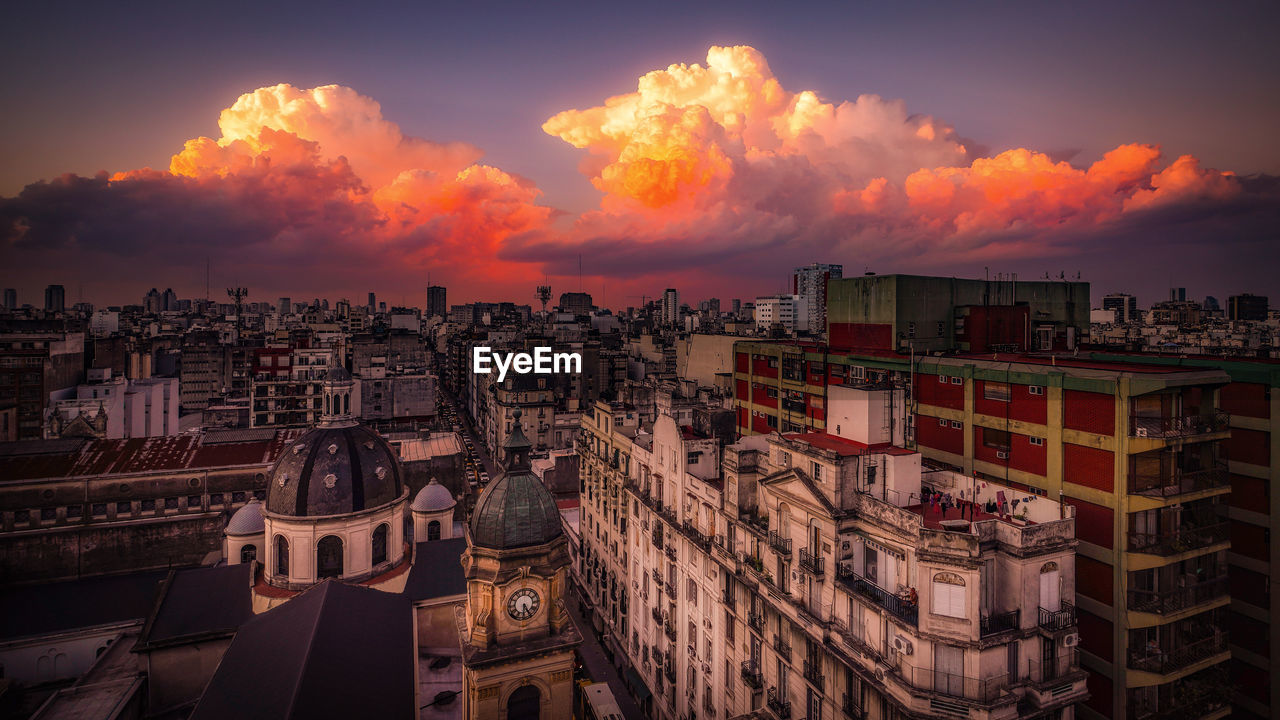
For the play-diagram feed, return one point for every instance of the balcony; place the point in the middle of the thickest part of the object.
(1061, 619)
(671, 590)
(778, 703)
(782, 647)
(669, 628)
(696, 536)
(759, 523)
(1159, 661)
(1179, 426)
(755, 620)
(657, 615)
(751, 675)
(961, 686)
(1179, 482)
(901, 607)
(1056, 668)
(1000, 622)
(813, 673)
(1192, 697)
(811, 563)
(1163, 602)
(669, 670)
(657, 536)
(780, 545)
(657, 578)
(850, 707)
(671, 553)
(1173, 542)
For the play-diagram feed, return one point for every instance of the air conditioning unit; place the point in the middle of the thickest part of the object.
(882, 671)
(1071, 640)
(902, 645)
(1002, 454)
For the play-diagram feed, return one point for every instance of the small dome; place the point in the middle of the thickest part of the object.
(337, 373)
(334, 470)
(434, 497)
(247, 520)
(516, 510)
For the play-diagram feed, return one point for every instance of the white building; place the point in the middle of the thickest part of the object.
(114, 407)
(810, 283)
(811, 576)
(791, 312)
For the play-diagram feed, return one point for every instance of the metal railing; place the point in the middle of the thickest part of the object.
(961, 686)
(782, 647)
(780, 544)
(671, 590)
(1161, 602)
(1177, 541)
(1179, 426)
(811, 562)
(999, 622)
(669, 628)
(1160, 661)
(657, 615)
(1039, 671)
(899, 606)
(755, 620)
(779, 704)
(813, 672)
(851, 708)
(657, 536)
(751, 674)
(1179, 481)
(1059, 619)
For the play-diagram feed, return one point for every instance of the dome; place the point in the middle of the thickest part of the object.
(247, 520)
(516, 510)
(434, 497)
(337, 373)
(334, 469)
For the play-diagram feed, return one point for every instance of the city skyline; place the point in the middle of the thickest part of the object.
(700, 162)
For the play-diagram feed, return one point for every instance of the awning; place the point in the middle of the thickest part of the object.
(636, 683)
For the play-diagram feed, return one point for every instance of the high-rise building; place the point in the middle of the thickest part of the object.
(10, 298)
(790, 312)
(736, 306)
(1124, 305)
(670, 307)
(810, 283)
(285, 306)
(437, 302)
(577, 303)
(55, 298)
(1178, 294)
(373, 302)
(1247, 308)
(169, 300)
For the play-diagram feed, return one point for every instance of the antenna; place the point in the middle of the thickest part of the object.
(579, 272)
(237, 295)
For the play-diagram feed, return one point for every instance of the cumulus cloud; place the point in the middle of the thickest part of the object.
(714, 174)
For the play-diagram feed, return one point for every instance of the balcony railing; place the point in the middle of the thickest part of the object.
(751, 674)
(1056, 668)
(1059, 619)
(961, 686)
(782, 646)
(1169, 601)
(779, 704)
(697, 536)
(1000, 622)
(657, 537)
(669, 628)
(657, 615)
(851, 708)
(1179, 426)
(813, 673)
(755, 620)
(1159, 661)
(780, 544)
(1179, 482)
(671, 553)
(901, 607)
(671, 590)
(1178, 541)
(810, 562)
(669, 670)
(657, 577)
(1189, 698)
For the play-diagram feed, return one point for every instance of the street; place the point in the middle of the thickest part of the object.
(597, 664)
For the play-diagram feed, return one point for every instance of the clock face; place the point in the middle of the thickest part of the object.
(523, 604)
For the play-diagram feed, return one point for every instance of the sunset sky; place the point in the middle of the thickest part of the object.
(312, 152)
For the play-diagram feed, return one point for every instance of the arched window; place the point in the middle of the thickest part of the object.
(328, 403)
(329, 557)
(380, 544)
(282, 555)
(1050, 587)
(524, 704)
(248, 553)
(949, 595)
(433, 530)
(346, 403)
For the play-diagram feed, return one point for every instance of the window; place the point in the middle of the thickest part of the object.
(956, 424)
(99, 509)
(997, 391)
(1037, 441)
(771, 421)
(282, 556)
(148, 505)
(124, 508)
(942, 422)
(433, 530)
(380, 544)
(1035, 389)
(998, 439)
(171, 503)
(193, 501)
(957, 380)
(74, 512)
(248, 553)
(948, 595)
(216, 499)
(329, 557)
(52, 513)
(911, 329)
(784, 458)
(942, 379)
(816, 471)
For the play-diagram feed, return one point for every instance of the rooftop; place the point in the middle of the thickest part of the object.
(846, 447)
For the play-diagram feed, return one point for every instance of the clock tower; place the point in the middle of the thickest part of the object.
(517, 638)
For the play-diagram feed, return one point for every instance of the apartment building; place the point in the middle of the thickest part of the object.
(286, 387)
(1138, 449)
(804, 575)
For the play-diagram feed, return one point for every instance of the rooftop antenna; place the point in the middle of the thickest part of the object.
(579, 272)
(206, 278)
(544, 294)
(237, 295)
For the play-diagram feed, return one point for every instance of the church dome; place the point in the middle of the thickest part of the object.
(247, 520)
(334, 469)
(337, 373)
(516, 510)
(434, 497)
